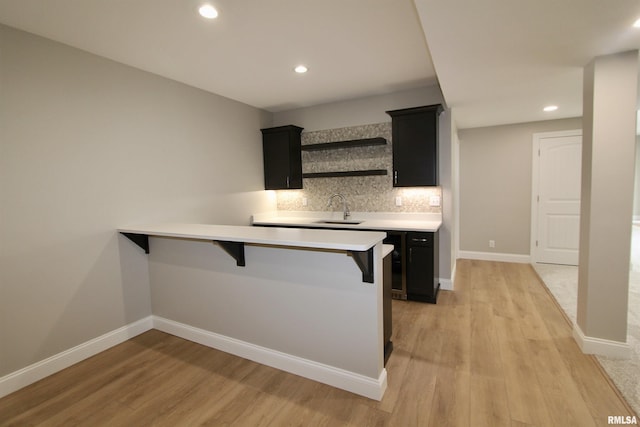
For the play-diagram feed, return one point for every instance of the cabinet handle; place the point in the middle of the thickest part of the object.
(395, 177)
(287, 182)
(419, 240)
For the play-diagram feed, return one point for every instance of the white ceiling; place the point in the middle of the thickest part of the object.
(497, 61)
(352, 47)
(502, 61)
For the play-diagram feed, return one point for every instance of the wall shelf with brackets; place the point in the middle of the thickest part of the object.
(363, 142)
(340, 174)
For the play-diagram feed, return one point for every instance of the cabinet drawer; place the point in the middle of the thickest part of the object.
(420, 239)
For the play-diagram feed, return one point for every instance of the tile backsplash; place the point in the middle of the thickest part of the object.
(363, 193)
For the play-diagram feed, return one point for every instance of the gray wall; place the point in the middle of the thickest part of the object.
(336, 319)
(87, 145)
(636, 194)
(355, 112)
(495, 185)
(610, 100)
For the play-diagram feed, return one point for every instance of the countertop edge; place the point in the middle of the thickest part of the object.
(366, 225)
(303, 238)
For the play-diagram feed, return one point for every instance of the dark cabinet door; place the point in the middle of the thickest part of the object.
(282, 158)
(415, 146)
(386, 306)
(422, 266)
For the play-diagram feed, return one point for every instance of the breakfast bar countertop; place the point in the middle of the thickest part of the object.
(335, 239)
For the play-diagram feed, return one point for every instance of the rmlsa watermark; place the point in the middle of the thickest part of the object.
(622, 419)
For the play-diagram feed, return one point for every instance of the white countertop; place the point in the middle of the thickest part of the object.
(368, 220)
(386, 250)
(296, 237)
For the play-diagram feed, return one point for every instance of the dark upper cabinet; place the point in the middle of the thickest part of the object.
(415, 146)
(282, 157)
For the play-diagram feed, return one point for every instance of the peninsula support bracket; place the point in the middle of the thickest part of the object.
(235, 249)
(364, 260)
(141, 240)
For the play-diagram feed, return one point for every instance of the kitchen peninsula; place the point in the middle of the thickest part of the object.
(309, 302)
(414, 236)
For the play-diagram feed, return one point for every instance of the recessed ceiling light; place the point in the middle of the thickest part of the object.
(637, 23)
(550, 108)
(208, 11)
(301, 69)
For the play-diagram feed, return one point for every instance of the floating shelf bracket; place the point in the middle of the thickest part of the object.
(141, 240)
(364, 259)
(235, 249)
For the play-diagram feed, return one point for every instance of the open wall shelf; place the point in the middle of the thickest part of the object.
(370, 172)
(364, 142)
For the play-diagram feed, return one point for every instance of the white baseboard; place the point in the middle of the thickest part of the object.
(493, 256)
(372, 388)
(447, 284)
(600, 347)
(37, 371)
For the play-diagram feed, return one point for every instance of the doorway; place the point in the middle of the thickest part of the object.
(555, 198)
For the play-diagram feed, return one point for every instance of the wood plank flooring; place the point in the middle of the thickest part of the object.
(495, 352)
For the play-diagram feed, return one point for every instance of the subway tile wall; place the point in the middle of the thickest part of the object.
(363, 193)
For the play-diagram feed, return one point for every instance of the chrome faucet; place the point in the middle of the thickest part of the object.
(345, 209)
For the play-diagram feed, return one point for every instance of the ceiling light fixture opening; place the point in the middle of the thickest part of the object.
(549, 108)
(208, 11)
(301, 69)
(637, 23)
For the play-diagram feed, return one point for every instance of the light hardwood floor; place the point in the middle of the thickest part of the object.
(495, 352)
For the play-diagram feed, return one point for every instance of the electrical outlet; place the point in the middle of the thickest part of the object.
(398, 201)
(434, 201)
(492, 243)
(305, 202)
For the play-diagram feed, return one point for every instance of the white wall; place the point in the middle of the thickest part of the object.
(87, 145)
(495, 185)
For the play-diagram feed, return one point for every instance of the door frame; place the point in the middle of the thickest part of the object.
(535, 176)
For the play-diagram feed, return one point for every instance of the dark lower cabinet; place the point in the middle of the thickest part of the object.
(422, 266)
(386, 306)
(282, 157)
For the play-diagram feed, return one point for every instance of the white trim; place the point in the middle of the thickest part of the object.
(39, 370)
(599, 346)
(447, 284)
(494, 256)
(535, 177)
(372, 388)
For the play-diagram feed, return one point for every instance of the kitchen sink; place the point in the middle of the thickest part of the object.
(338, 221)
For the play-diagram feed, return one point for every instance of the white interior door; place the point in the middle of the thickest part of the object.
(559, 161)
